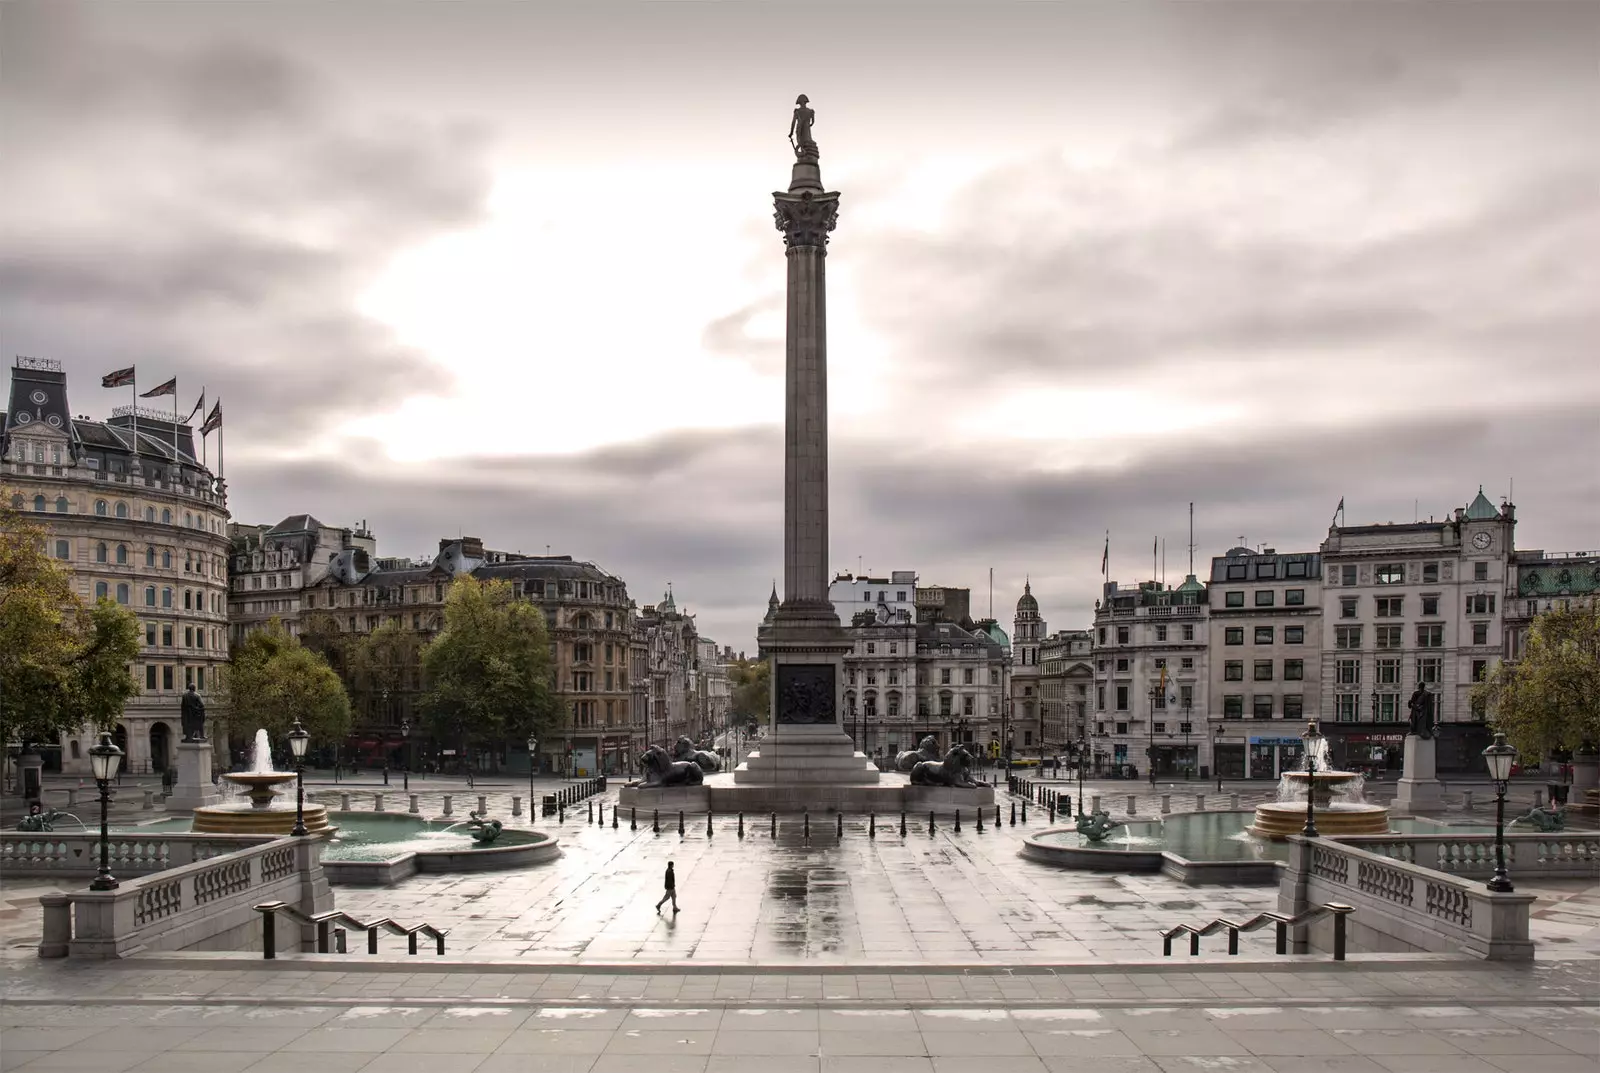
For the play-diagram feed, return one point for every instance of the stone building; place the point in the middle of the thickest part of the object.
(851, 594)
(712, 691)
(1150, 671)
(1024, 694)
(671, 656)
(1541, 582)
(1414, 603)
(273, 565)
(130, 509)
(1066, 684)
(1265, 630)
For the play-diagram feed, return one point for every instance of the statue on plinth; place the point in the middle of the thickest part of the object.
(685, 749)
(927, 749)
(1421, 708)
(193, 716)
(951, 771)
(805, 148)
(661, 770)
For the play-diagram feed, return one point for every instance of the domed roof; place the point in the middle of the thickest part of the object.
(1027, 602)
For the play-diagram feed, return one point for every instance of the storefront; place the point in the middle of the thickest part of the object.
(1229, 758)
(1270, 757)
(1372, 754)
(1176, 761)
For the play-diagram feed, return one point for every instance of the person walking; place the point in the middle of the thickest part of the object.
(671, 891)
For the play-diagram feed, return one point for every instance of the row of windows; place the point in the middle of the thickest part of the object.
(103, 509)
(1264, 635)
(1478, 603)
(1386, 670)
(192, 600)
(1262, 706)
(193, 636)
(1395, 573)
(1183, 699)
(946, 676)
(1268, 571)
(1294, 670)
(165, 675)
(1428, 635)
(1125, 633)
(583, 681)
(584, 713)
(1265, 598)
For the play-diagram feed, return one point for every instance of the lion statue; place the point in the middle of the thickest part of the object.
(710, 763)
(661, 770)
(951, 771)
(927, 749)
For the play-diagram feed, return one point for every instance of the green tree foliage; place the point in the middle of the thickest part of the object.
(63, 662)
(1549, 700)
(273, 680)
(382, 663)
(488, 671)
(750, 681)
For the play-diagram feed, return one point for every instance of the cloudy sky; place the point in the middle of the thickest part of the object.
(510, 269)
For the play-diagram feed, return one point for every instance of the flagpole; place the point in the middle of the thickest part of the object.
(177, 463)
(135, 382)
(222, 466)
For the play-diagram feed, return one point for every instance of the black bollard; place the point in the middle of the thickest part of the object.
(872, 825)
(1068, 804)
(980, 819)
(840, 829)
(561, 815)
(613, 819)
(680, 821)
(997, 815)
(958, 821)
(1024, 812)
(808, 823)
(774, 825)
(902, 823)
(1052, 812)
(709, 831)
(930, 821)
(633, 818)
(741, 825)
(1013, 813)
(655, 820)
(591, 812)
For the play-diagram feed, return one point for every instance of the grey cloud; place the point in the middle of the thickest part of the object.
(729, 335)
(245, 208)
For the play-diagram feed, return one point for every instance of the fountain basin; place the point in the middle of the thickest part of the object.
(1277, 820)
(247, 818)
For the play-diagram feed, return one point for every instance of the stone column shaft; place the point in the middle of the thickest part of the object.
(805, 509)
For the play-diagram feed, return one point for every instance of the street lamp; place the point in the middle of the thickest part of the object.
(405, 749)
(533, 766)
(1313, 742)
(104, 759)
(298, 740)
(1216, 761)
(1500, 757)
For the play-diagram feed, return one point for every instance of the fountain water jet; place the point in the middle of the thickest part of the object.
(260, 811)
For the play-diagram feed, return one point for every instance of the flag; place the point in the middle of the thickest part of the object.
(169, 388)
(1339, 509)
(120, 378)
(213, 420)
(199, 407)
(1105, 556)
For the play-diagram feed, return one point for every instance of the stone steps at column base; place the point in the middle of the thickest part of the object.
(883, 799)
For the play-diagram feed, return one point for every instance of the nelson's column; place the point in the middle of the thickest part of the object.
(807, 744)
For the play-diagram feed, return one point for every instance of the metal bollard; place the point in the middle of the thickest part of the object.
(614, 810)
(416, 807)
(590, 806)
(655, 820)
(1024, 812)
(680, 822)
(839, 828)
(633, 818)
(997, 816)
(872, 825)
(602, 814)
(377, 802)
(980, 819)
(709, 830)
(774, 832)
(1013, 813)
(741, 825)
(1052, 812)
(1466, 801)
(930, 821)
(808, 823)
(1538, 799)
(447, 799)
(561, 814)
(1133, 804)
(902, 823)
(1166, 804)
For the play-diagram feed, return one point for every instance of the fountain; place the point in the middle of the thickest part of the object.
(1337, 803)
(261, 813)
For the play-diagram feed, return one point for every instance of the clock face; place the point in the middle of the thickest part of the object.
(1482, 541)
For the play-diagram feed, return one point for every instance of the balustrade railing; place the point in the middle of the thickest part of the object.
(1545, 854)
(74, 853)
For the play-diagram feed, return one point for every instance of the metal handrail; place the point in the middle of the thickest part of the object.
(325, 922)
(1337, 910)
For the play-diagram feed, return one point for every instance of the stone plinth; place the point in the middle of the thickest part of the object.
(724, 794)
(194, 788)
(1419, 790)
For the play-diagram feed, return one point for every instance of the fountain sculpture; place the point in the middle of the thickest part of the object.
(261, 813)
(1337, 803)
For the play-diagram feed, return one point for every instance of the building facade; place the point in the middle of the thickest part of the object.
(1151, 705)
(671, 657)
(1542, 582)
(129, 508)
(1066, 687)
(273, 565)
(1264, 625)
(1408, 605)
(712, 691)
(1025, 695)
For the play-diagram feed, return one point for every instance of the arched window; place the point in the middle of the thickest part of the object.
(77, 752)
(166, 559)
(17, 501)
(100, 589)
(61, 504)
(186, 604)
(122, 592)
(149, 595)
(149, 514)
(149, 556)
(166, 516)
(100, 553)
(38, 504)
(122, 555)
(166, 597)
(100, 508)
(122, 510)
(188, 519)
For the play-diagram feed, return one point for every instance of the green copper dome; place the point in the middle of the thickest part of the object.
(1481, 509)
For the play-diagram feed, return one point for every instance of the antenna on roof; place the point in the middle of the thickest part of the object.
(1191, 536)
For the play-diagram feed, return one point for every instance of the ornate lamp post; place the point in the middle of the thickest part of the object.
(1150, 751)
(104, 759)
(1500, 757)
(1216, 762)
(405, 752)
(1313, 741)
(533, 766)
(298, 740)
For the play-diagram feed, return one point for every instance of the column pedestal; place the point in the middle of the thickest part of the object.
(1419, 789)
(194, 788)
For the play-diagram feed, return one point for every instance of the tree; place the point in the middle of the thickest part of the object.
(379, 665)
(489, 669)
(274, 680)
(63, 662)
(1549, 700)
(750, 682)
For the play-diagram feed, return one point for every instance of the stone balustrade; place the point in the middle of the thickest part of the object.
(1400, 906)
(206, 905)
(1544, 855)
(77, 853)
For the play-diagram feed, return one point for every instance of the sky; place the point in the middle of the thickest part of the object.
(509, 270)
